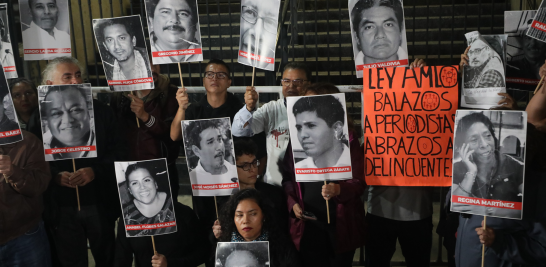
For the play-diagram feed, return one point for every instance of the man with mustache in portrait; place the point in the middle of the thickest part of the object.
(173, 26)
(43, 28)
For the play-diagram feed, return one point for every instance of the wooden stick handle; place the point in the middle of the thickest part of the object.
(216, 206)
(253, 75)
(538, 86)
(77, 191)
(327, 208)
(483, 246)
(180, 73)
(137, 121)
(153, 244)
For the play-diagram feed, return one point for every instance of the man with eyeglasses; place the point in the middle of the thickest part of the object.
(258, 33)
(485, 67)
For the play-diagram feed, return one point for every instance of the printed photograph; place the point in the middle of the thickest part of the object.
(235, 254)
(488, 163)
(210, 157)
(259, 21)
(378, 34)
(320, 137)
(68, 124)
(46, 29)
(6, 51)
(145, 196)
(175, 35)
(10, 130)
(122, 48)
(538, 26)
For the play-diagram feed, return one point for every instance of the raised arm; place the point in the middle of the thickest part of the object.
(183, 103)
(536, 109)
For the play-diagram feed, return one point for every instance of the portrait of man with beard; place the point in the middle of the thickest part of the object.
(259, 20)
(123, 51)
(213, 174)
(174, 31)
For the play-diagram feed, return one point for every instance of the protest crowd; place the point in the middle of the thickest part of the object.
(283, 183)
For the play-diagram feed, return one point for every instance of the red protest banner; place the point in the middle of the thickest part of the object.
(133, 81)
(408, 125)
(150, 226)
(51, 151)
(177, 52)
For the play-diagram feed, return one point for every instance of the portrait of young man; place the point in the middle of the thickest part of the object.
(379, 33)
(46, 29)
(123, 51)
(6, 51)
(10, 132)
(174, 31)
(259, 20)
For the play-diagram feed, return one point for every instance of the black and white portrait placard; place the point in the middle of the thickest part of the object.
(232, 254)
(259, 21)
(174, 31)
(10, 131)
(489, 163)
(145, 196)
(378, 34)
(68, 124)
(484, 76)
(46, 29)
(538, 26)
(320, 137)
(6, 50)
(210, 157)
(122, 48)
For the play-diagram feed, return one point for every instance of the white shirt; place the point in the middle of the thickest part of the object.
(308, 163)
(7, 60)
(48, 137)
(359, 60)
(140, 70)
(199, 176)
(272, 119)
(37, 38)
(169, 60)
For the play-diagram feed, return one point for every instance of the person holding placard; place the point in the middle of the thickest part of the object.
(99, 205)
(24, 177)
(25, 101)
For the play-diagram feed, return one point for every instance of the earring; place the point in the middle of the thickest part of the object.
(337, 135)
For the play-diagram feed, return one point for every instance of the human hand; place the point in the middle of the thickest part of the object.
(418, 63)
(487, 236)
(6, 167)
(298, 211)
(159, 260)
(63, 179)
(330, 190)
(82, 177)
(466, 155)
(137, 107)
(464, 58)
(508, 101)
(251, 98)
(182, 98)
(217, 229)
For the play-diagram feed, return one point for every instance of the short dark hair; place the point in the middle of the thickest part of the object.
(152, 4)
(298, 66)
(62, 88)
(147, 165)
(245, 146)
(30, 3)
(363, 5)
(195, 128)
(321, 88)
(219, 62)
(327, 108)
(13, 82)
(467, 121)
(127, 23)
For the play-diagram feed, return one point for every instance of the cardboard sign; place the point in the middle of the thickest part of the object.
(489, 163)
(123, 51)
(68, 124)
(320, 137)
(538, 27)
(145, 197)
(177, 40)
(408, 125)
(379, 41)
(46, 35)
(254, 254)
(6, 50)
(259, 21)
(210, 157)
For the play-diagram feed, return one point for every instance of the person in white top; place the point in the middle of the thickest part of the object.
(6, 52)
(272, 118)
(42, 32)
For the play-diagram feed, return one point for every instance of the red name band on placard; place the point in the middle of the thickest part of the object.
(10, 133)
(130, 82)
(177, 52)
(9, 69)
(487, 202)
(323, 170)
(522, 81)
(48, 51)
(539, 26)
(214, 186)
(150, 226)
(386, 64)
(51, 151)
(256, 57)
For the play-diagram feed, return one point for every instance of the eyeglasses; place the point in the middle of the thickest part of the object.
(250, 15)
(219, 75)
(297, 82)
(26, 94)
(246, 166)
(477, 51)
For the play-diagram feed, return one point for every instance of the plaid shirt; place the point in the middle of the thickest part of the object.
(490, 78)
